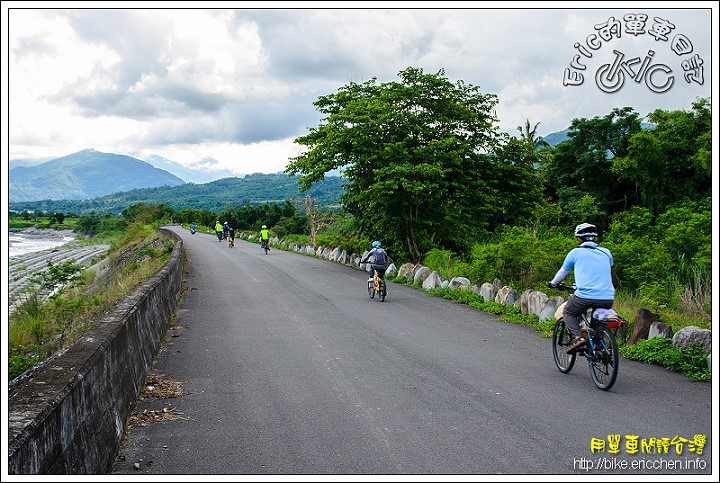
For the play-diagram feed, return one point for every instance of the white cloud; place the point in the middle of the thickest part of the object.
(237, 86)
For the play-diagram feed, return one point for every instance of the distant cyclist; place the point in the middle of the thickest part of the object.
(265, 237)
(379, 258)
(226, 229)
(219, 230)
(592, 265)
(193, 228)
(231, 236)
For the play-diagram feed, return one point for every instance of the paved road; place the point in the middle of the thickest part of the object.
(289, 368)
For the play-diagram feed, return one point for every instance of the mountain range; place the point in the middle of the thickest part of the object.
(252, 189)
(190, 174)
(91, 180)
(84, 175)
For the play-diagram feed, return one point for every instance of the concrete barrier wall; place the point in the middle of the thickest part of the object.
(71, 418)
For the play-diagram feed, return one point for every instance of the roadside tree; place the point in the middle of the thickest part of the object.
(415, 157)
(579, 173)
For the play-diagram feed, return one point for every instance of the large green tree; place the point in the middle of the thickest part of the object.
(515, 185)
(413, 154)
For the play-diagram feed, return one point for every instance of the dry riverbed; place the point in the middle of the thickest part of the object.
(21, 268)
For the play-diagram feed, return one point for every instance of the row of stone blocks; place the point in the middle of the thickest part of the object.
(534, 302)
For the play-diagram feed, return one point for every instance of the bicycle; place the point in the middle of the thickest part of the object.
(601, 349)
(266, 246)
(376, 284)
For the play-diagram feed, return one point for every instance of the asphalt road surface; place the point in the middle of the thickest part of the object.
(289, 368)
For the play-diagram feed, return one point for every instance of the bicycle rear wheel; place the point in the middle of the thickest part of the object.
(371, 288)
(561, 341)
(605, 359)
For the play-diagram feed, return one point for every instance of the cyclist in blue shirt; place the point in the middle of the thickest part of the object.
(593, 277)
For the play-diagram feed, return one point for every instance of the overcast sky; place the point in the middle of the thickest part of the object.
(230, 89)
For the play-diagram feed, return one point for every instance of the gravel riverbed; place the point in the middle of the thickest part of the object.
(22, 267)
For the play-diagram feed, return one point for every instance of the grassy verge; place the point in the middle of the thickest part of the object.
(42, 327)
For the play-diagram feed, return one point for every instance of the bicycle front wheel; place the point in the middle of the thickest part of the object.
(561, 341)
(605, 359)
(371, 289)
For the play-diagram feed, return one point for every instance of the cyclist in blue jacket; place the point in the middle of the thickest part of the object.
(379, 258)
(593, 277)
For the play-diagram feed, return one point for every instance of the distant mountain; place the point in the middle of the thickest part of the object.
(17, 162)
(556, 138)
(190, 174)
(84, 175)
(253, 189)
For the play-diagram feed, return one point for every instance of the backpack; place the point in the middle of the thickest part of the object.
(380, 258)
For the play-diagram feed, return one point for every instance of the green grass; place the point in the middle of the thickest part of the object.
(40, 328)
(16, 222)
(691, 360)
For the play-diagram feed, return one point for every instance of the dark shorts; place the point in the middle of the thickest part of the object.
(380, 269)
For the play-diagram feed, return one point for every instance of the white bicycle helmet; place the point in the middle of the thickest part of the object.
(264, 227)
(588, 231)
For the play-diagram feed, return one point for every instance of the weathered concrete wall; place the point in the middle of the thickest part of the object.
(70, 419)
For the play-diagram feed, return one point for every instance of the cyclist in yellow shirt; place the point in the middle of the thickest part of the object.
(265, 237)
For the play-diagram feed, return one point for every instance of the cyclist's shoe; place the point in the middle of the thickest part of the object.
(578, 343)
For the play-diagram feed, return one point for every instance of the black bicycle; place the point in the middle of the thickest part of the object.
(266, 246)
(601, 349)
(376, 284)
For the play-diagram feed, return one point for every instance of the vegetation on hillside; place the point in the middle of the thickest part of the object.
(255, 189)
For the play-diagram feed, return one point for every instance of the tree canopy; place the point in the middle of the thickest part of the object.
(579, 174)
(670, 161)
(415, 157)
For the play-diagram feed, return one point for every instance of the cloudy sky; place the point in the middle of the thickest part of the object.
(230, 89)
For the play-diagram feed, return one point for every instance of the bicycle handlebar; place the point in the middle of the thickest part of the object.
(562, 286)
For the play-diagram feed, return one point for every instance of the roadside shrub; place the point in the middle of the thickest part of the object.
(55, 275)
(521, 257)
(690, 361)
(27, 324)
(442, 262)
(19, 363)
